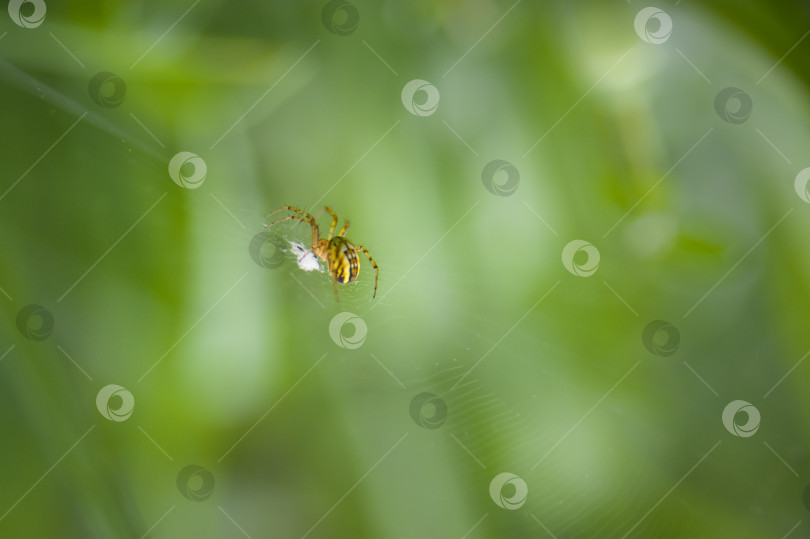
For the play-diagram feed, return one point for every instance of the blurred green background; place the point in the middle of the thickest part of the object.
(543, 374)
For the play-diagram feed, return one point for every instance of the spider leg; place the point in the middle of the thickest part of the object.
(374, 264)
(308, 220)
(291, 208)
(334, 221)
(344, 229)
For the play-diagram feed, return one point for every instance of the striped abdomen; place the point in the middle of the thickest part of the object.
(343, 262)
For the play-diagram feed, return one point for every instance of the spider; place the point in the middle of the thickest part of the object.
(338, 252)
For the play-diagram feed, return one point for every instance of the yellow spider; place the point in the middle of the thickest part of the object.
(338, 252)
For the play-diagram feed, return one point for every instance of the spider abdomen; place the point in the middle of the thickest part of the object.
(344, 265)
